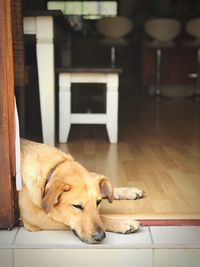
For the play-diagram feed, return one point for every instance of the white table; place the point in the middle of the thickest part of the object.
(108, 76)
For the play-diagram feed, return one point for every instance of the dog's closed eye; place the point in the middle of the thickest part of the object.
(78, 206)
(98, 202)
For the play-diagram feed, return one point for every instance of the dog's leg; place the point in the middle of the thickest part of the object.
(123, 225)
(127, 193)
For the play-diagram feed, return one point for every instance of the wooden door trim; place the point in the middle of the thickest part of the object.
(8, 215)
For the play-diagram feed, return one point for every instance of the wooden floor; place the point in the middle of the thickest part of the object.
(158, 151)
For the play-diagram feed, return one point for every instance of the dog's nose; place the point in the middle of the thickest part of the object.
(99, 235)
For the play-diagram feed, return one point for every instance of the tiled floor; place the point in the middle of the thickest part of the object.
(150, 247)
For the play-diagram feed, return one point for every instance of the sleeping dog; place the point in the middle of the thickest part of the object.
(59, 193)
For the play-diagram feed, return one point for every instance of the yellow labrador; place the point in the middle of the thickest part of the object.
(59, 193)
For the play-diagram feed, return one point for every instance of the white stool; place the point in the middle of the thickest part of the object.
(108, 76)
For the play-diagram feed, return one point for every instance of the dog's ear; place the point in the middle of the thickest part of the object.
(52, 194)
(106, 189)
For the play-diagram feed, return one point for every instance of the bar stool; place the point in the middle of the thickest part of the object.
(162, 31)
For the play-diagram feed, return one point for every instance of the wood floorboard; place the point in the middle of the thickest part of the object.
(158, 151)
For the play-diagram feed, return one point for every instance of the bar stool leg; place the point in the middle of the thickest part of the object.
(158, 72)
(198, 74)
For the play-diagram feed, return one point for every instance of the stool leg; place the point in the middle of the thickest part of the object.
(158, 72)
(198, 73)
(64, 115)
(112, 115)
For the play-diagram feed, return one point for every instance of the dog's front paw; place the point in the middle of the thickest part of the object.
(129, 226)
(127, 193)
(135, 193)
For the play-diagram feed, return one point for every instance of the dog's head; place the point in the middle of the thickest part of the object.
(73, 197)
